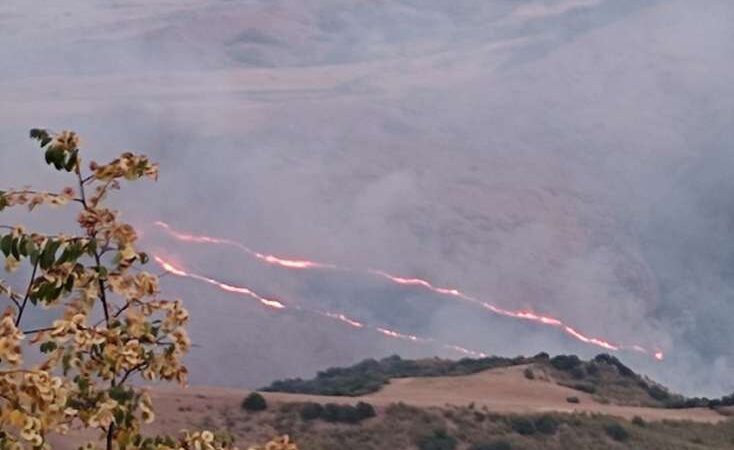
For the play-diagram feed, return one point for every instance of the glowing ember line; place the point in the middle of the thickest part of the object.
(270, 259)
(416, 282)
(524, 315)
(466, 351)
(178, 271)
(344, 319)
(225, 287)
(408, 337)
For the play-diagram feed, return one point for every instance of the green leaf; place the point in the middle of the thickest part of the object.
(48, 256)
(23, 246)
(49, 155)
(41, 135)
(35, 255)
(72, 161)
(69, 285)
(6, 243)
(48, 347)
(29, 248)
(14, 250)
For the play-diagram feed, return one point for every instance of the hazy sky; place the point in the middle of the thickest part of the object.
(570, 157)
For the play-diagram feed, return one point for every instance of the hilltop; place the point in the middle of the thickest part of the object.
(605, 379)
(436, 404)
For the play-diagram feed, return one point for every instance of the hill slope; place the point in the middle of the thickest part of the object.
(497, 405)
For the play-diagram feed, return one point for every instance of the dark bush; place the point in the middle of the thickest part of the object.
(546, 424)
(371, 375)
(565, 362)
(332, 412)
(365, 410)
(529, 374)
(496, 445)
(578, 373)
(438, 440)
(658, 393)
(592, 369)
(573, 400)
(605, 358)
(311, 411)
(522, 425)
(617, 432)
(639, 421)
(254, 402)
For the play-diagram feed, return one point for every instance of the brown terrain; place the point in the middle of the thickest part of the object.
(503, 391)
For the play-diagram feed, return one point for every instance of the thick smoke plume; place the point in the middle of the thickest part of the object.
(569, 157)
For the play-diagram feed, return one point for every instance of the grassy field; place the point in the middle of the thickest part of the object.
(400, 426)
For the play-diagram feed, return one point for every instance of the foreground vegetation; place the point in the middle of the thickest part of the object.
(107, 322)
(400, 426)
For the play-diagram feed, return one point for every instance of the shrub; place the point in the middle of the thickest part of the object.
(617, 432)
(332, 412)
(522, 425)
(657, 392)
(578, 373)
(546, 424)
(583, 387)
(573, 400)
(565, 362)
(311, 411)
(371, 375)
(529, 374)
(612, 361)
(84, 280)
(439, 440)
(365, 410)
(254, 402)
(639, 421)
(496, 445)
(592, 369)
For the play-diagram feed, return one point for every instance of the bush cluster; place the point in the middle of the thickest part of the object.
(526, 426)
(496, 445)
(617, 432)
(371, 375)
(438, 440)
(254, 402)
(332, 412)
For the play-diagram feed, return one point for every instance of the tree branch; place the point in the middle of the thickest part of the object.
(27, 295)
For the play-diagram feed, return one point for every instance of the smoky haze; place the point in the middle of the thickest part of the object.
(571, 157)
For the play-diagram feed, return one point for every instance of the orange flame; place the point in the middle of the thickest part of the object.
(407, 337)
(178, 271)
(344, 319)
(418, 282)
(271, 303)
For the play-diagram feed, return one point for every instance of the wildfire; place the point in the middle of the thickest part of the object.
(413, 282)
(271, 303)
(466, 351)
(276, 304)
(344, 319)
(407, 337)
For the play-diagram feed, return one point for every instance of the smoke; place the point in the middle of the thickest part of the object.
(570, 157)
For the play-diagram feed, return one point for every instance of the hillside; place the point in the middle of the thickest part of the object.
(605, 379)
(501, 408)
